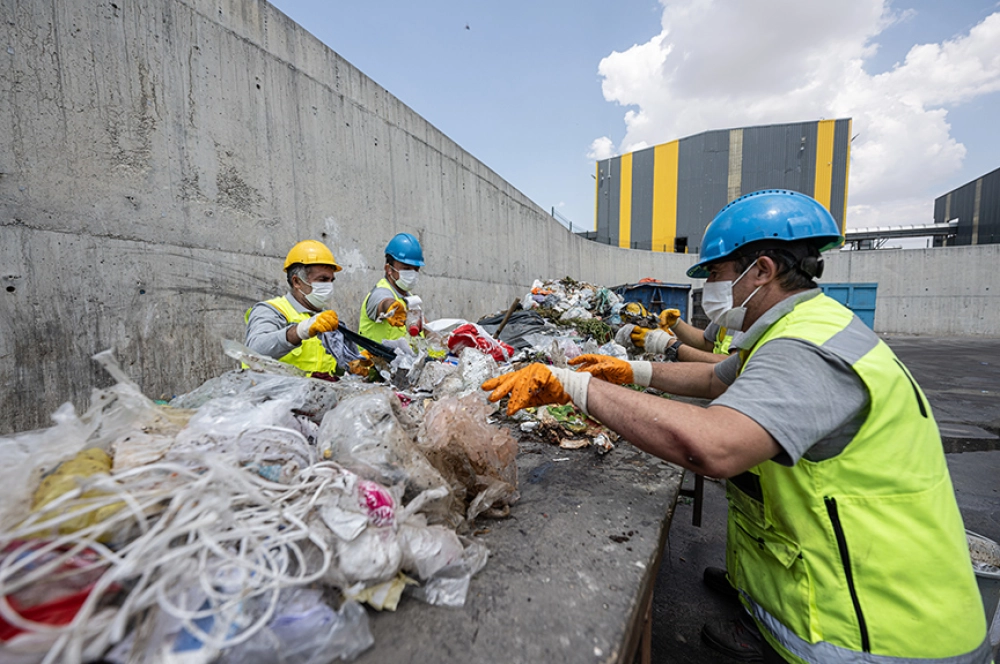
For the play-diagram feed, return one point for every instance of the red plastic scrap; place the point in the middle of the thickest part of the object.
(57, 604)
(469, 336)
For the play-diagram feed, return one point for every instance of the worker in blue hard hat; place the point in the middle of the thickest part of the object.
(845, 541)
(384, 309)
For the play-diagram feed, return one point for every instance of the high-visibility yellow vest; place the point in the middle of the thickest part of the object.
(310, 355)
(861, 557)
(722, 341)
(379, 331)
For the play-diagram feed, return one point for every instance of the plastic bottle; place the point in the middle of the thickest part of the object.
(414, 315)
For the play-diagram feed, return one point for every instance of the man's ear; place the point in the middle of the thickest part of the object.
(767, 270)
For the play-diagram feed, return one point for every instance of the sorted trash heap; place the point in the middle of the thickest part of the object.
(249, 519)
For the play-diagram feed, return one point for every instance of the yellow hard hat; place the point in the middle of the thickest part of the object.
(311, 252)
(636, 309)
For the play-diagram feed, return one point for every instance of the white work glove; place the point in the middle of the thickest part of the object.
(657, 341)
(575, 385)
(624, 336)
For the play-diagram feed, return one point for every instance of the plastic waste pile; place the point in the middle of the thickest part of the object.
(250, 519)
(253, 518)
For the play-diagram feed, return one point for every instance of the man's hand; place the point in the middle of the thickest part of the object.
(656, 341)
(539, 385)
(669, 318)
(613, 370)
(325, 321)
(395, 315)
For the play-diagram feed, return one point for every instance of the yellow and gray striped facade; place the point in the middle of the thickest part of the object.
(662, 198)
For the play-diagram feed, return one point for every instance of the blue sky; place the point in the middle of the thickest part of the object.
(539, 90)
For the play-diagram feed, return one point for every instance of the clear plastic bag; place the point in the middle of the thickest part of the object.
(478, 459)
(306, 630)
(370, 435)
(449, 586)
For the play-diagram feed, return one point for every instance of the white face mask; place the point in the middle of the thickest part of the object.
(321, 295)
(717, 301)
(407, 279)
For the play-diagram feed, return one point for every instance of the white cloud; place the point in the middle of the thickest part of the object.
(718, 64)
(601, 148)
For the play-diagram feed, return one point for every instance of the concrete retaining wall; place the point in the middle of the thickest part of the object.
(159, 157)
(946, 291)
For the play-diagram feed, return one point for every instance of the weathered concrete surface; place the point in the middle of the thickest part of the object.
(568, 568)
(159, 157)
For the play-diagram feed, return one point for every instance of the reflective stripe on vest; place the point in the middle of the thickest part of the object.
(379, 331)
(861, 557)
(310, 355)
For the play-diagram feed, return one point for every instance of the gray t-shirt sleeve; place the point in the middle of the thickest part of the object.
(728, 369)
(266, 332)
(808, 399)
(376, 297)
(711, 332)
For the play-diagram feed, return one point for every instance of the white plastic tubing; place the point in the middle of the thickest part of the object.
(212, 527)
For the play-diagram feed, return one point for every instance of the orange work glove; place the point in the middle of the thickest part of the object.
(360, 367)
(395, 315)
(539, 385)
(325, 321)
(669, 318)
(613, 370)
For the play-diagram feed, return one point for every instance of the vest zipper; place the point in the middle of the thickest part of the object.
(845, 559)
(916, 392)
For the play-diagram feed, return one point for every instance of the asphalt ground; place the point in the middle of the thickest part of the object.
(961, 378)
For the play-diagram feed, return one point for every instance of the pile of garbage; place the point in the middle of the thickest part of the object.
(250, 519)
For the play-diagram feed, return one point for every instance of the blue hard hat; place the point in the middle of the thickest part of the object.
(768, 214)
(406, 249)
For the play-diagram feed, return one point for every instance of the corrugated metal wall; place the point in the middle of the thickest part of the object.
(976, 205)
(662, 198)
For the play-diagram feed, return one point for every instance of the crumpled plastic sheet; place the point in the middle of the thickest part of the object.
(519, 324)
(306, 630)
(312, 398)
(450, 585)
(258, 362)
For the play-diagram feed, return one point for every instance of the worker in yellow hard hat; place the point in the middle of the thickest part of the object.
(300, 328)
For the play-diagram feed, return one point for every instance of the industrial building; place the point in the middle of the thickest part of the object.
(976, 207)
(661, 198)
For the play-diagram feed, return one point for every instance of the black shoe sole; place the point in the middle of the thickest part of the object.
(740, 655)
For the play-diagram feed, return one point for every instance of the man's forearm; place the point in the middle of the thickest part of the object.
(688, 379)
(691, 336)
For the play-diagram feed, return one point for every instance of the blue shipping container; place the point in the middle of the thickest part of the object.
(859, 298)
(657, 296)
